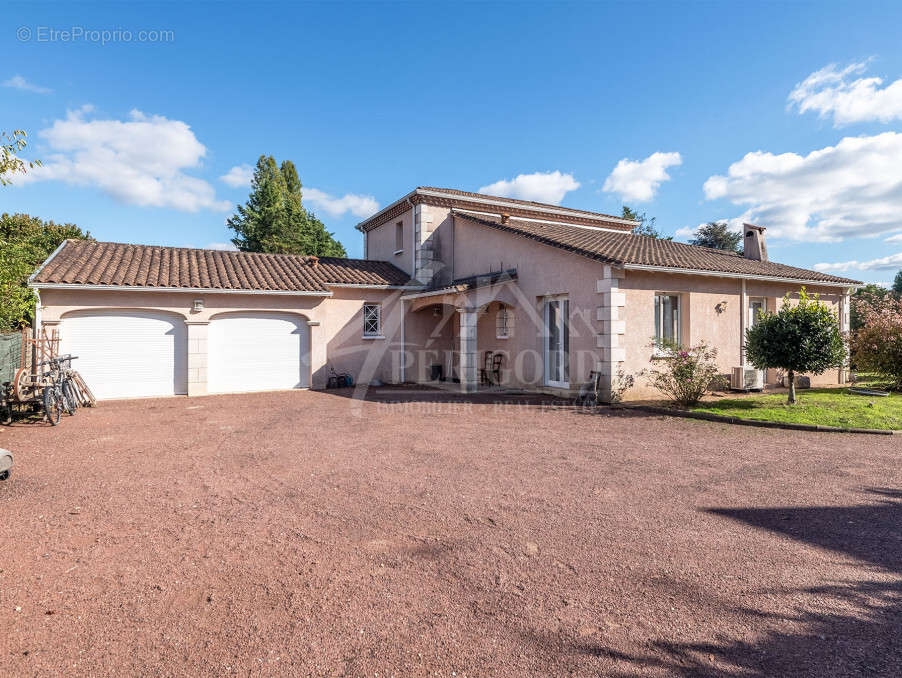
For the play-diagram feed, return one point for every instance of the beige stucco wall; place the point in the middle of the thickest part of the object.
(380, 243)
(438, 233)
(711, 308)
(711, 312)
(542, 271)
(336, 324)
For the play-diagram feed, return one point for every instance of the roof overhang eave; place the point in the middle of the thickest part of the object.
(747, 276)
(495, 201)
(364, 286)
(385, 209)
(193, 290)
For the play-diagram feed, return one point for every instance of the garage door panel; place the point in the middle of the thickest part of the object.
(128, 354)
(257, 352)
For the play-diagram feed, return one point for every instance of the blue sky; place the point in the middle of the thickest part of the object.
(654, 105)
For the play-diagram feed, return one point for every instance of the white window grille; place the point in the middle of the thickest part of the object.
(372, 320)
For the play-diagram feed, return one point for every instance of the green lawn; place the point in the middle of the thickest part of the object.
(827, 407)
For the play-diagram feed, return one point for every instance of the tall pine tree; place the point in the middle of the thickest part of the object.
(274, 218)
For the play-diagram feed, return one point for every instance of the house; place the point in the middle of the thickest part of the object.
(447, 276)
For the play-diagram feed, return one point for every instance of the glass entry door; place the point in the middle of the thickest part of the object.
(557, 342)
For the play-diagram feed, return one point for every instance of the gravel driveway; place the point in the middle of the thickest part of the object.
(307, 533)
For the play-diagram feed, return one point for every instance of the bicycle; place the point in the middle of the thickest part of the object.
(58, 391)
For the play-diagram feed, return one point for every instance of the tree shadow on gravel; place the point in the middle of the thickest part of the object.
(848, 628)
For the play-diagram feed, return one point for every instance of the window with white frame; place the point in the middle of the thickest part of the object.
(372, 320)
(503, 323)
(667, 319)
(757, 307)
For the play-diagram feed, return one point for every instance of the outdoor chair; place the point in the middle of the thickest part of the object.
(486, 368)
(491, 373)
(588, 392)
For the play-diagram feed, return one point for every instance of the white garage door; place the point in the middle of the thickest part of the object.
(128, 354)
(258, 352)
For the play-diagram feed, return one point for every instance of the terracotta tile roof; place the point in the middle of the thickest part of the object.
(473, 282)
(626, 248)
(87, 262)
(480, 202)
(525, 203)
(333, 270)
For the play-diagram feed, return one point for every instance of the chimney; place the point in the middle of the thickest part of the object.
(505, 218)
(313, 259)
(755, 244)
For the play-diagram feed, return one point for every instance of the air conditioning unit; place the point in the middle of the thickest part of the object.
(747, 379)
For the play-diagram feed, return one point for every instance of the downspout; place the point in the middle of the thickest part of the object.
(413, 235)
(37, 314)
(743, 307)
(403, 371)
(413, 273)
(453, 232)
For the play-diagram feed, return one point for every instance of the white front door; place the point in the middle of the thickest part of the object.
(128, 354)
(258, 352)
(557, 342)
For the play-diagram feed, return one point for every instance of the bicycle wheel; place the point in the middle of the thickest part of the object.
(70, 400)
(53, 404)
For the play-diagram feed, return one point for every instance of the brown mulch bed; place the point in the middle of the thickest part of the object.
(424, 534)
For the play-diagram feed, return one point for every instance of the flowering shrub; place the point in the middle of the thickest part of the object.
(877, 345)
(685, 373)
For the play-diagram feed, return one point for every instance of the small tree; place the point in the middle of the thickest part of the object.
(897, 284)
(716, 234)
(801, 338)
(877, 344)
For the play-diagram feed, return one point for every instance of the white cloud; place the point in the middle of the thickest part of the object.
(895, 238)
(547, 187)
(358, 205)
(18, 82)
(891, 263)
(140, 161)
(853, 189)
(238, 177)
(833, 92)
(222, 246)
(639, 180)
